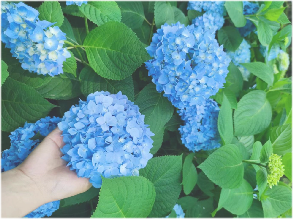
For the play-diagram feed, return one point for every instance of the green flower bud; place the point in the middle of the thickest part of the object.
(283, 59)
(275, 171)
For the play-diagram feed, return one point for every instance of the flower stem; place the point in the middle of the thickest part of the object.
(251, 162)
(152, 28)
(147, 21)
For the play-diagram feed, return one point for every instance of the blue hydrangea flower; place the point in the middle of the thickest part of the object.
(179, 211)
(241, 55)
(187, 64)
(249, 8)
(207, 6)
(200, 131)
(273, 54)
(105, 136)
(79, 3)
(36, 44)
(22, 145)
(210, 21)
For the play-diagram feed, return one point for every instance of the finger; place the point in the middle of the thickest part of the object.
(54, 138)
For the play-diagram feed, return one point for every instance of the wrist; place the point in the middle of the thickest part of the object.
(21, 193)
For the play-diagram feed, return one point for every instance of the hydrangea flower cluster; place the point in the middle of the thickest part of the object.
(207, 6)
(36, 44)
(276, 170)
(188, 64)
(210, 21)
(249, 8)
(22, 145)
(105, 136)
(273, 54)
(241, 55)
(79, 3)
(179, 211)
(200, 131)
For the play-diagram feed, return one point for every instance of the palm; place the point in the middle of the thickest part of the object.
(46, 168)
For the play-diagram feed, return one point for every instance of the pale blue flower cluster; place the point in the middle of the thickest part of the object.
(36, 44)
(241, 55)
(207, 6)
(210, 21)
(22, 144)
(79, 3)
(200, 131)
(273, 54)
(179, 211)
(249, 8)
(105, 136)
(188, 64)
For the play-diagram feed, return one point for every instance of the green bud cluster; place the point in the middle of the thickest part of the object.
(275, 170)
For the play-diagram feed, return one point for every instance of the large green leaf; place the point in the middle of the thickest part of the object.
(158, 140)
(163, 13)
(143, 32)
(189, 174)
(125, 197)
(59, 88)
(255, 211)
(67, 29)
(20, 104)
(255, 157)
(187, 202)
(174, 123)
(114, 51)
(247, 141)
(132, 14)
(264, 32)
(91, 82)
(101, 12)
(205, 184)
(51, 11)
(4, 72)
(165, 173)
(266, 152)
(281, 138)
(235, 11)
(276, 201)
(253, 114)
(238, 200)
(287, 161)
(201, 209)
(261, 179)
(225, 122)
(70, 65)
(230, 37)
(156, 108)
(224, 162)
(261, 70)
(234, 79)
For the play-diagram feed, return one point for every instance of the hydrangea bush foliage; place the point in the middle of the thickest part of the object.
(170, 109)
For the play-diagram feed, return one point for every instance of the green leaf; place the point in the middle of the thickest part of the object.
(187, 202)
(235, 11)
(174, 123)
(234, 80)
(125, 197)
(20, 104)
(261, 70)
(4, 72)
(283, 85)
(91, 82)
(67, 29)
(201, 209)
(225, 122)
(179, 16)
(253, 114)
(283, 19)
(205, 184)
(59, 88)
(264, 32)
(189, 174)
(266, 152)
(156, 108)
(227, 162)
(274, 14)
(250, 175)
(73, 10)
(80, 198)
(261, 179)
(101, 12)
(247, 141)
(255, 211)
(255, 157)
(287, 161)
(230, 37)
(132, 14)
(266, 5)
(163, 13)
(143, 33)
(51, 11)
(276, 201)
(281, 35)
(192, 14)
(70, 65)
(165, 173)
(281, 139)
(114, 51)
(238, 200)
(158, 140)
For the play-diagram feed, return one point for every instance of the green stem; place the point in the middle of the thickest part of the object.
(76, 47)
(152, 28)
(86, 25)
(251, 162)
(147, 21)
(81, 61)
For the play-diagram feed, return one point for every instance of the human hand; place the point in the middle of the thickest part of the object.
(49, 172)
